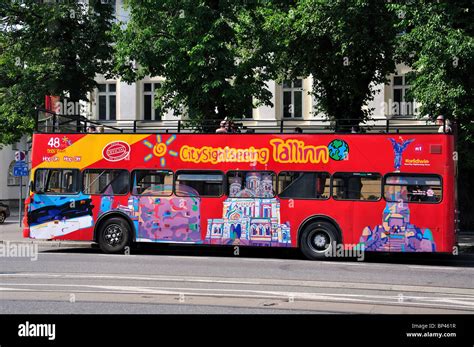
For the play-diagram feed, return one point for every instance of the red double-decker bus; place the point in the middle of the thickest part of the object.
(389, 192)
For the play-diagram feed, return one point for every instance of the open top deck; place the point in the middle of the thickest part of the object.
(50, 122)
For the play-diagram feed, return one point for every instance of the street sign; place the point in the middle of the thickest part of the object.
(20, 156)
(20, 169)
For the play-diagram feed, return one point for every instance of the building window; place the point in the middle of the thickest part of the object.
(400, 106)
(106, 101)
(150, 112)
(364, 186)
(199, 183)
(293, 98)
(12, 180)
(152, 182)
(304, 185)
(106, 182)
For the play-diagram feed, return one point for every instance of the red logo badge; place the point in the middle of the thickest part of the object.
(116, 151)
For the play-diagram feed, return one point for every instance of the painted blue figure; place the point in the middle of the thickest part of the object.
(398, 148)
(106, 204)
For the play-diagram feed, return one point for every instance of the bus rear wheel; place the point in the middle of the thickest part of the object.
(114, 235)
(317, 240)
(3, 216)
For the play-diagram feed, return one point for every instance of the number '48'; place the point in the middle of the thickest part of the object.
(54, 142)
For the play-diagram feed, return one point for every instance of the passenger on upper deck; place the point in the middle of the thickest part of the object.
(298, 130)
(444, 125)
(223, 128)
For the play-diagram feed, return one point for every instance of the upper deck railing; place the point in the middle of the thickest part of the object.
(50, 122)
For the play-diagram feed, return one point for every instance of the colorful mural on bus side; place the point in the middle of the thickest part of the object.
(250, 216)
(396, 233)
(53, 216)
(159, 218)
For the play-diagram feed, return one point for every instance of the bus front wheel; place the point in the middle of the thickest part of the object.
(317, 240)
(114, 235)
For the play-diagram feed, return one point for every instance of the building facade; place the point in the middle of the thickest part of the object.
(115, 100)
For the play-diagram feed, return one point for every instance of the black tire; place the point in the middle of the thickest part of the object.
(114, 235)
(3, 216)
(317, 240)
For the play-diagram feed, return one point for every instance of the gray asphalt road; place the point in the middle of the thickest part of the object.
(214, 280)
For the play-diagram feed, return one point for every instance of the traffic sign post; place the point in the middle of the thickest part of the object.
(20, 169)
(20, 156)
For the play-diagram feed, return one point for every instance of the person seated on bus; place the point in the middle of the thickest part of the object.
(91, 129)
(222, 129)
(354, 188)
(444, 125)
(232, 127)
(298, 130)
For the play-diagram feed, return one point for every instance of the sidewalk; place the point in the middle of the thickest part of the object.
(10, 232)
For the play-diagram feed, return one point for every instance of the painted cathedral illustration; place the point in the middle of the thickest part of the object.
(397, 233)
(251, 215)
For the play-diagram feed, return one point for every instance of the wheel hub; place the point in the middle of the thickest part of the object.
(319, 241)
(113, 234)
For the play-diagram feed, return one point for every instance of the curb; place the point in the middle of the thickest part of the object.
(52, 244)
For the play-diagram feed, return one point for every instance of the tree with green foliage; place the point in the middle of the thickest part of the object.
(438, 43)
(48, 49)
(210, 52)
(347, 47)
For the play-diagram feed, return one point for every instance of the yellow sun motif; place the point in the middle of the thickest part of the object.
(159, 149)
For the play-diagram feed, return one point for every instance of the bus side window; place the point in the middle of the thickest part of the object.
(199, 183)
(152, 182)
(363, 186)
(57, 181)
(106, 181)
(303, 185)
(413, 188)
(251, 184)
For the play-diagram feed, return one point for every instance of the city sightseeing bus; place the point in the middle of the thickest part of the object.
(386, 192)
